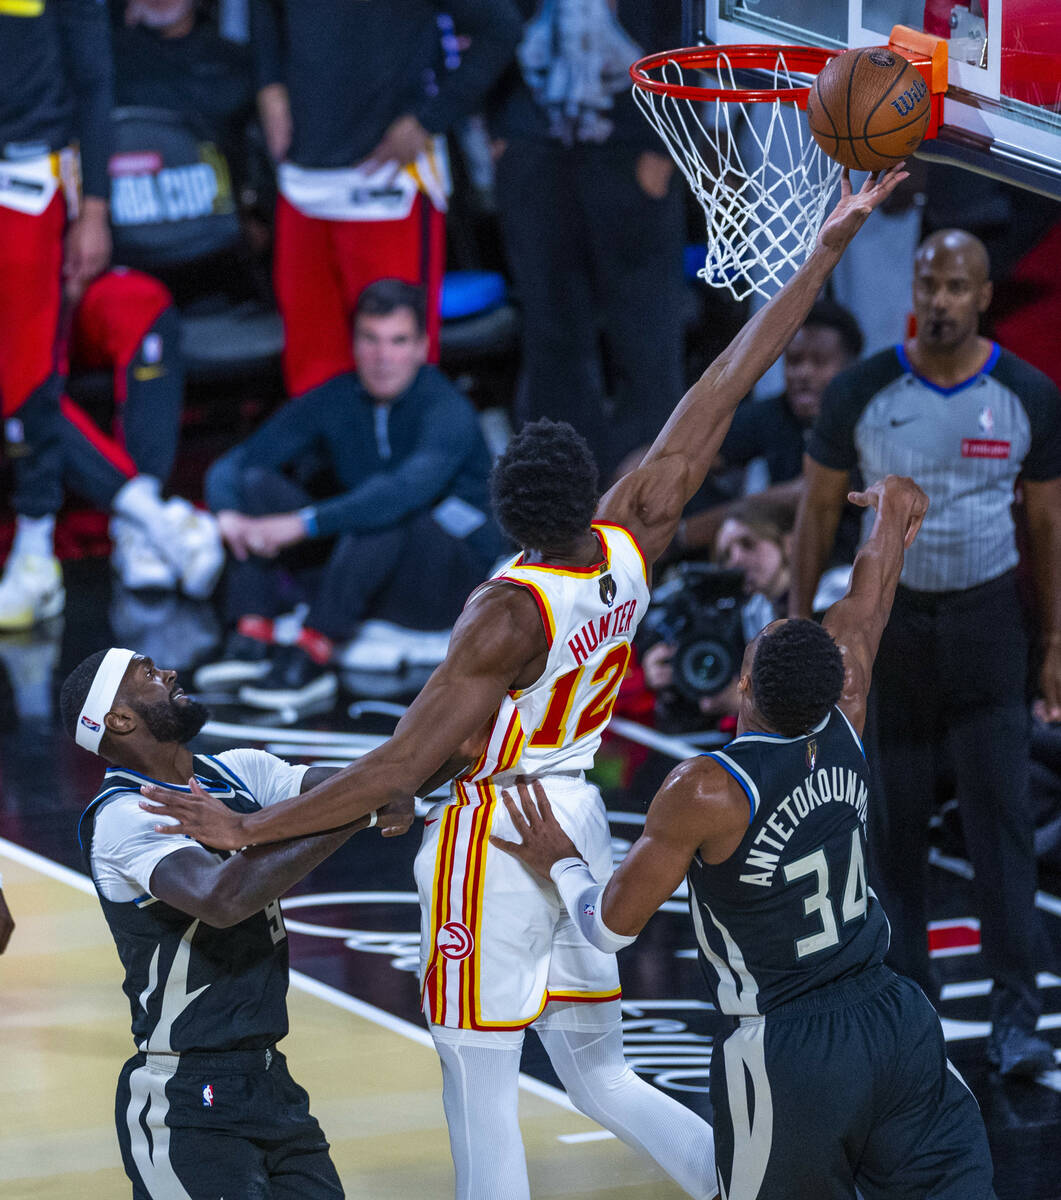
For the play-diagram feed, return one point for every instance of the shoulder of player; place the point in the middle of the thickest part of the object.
(702, 799)
(501, 618)
(118, 816)
(650, 494)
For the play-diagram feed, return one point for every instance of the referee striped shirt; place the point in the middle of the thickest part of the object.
(964, 445)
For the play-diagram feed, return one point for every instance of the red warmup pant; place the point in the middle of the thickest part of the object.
(110, 328)
(31, 261)
(321, 267)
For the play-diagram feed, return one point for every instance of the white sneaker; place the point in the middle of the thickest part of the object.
(384, 646)
(134, 557)
(31, 590)
(190, 540)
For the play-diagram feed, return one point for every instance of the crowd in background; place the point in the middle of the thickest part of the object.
(330, 163)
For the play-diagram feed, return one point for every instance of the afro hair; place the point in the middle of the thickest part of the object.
(544, 486)
(797, 676)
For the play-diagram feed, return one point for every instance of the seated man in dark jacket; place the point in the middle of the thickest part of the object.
(408, 525)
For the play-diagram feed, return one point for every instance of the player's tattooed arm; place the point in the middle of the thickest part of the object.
(649, 500)
(498, 643)
(857, 620)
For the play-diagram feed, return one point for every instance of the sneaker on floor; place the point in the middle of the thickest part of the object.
(294, 681)
(240, 660)
(139, 565)
(384, 646)
(1018, 1052)
(190, 540)
(31, 591)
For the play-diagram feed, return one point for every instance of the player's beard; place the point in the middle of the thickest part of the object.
(173, 720)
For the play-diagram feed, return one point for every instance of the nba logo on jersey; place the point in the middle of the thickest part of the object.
(986, 420)
(208, 1096)
(88, 723)
(588, 910)
(812, 754)
(607, 590)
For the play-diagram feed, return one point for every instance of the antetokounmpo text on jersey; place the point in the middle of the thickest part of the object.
(820, 787)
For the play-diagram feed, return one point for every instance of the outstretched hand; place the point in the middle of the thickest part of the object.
(543, 840)
(198, 815)
(397, 817)
(852, 209)
(903, 497)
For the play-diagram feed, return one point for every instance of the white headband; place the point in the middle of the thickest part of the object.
(100, 697)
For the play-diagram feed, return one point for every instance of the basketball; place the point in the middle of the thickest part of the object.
(869, 108)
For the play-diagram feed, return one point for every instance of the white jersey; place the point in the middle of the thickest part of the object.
(590, 616)
(497, 945)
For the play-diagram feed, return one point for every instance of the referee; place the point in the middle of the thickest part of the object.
(964, 418)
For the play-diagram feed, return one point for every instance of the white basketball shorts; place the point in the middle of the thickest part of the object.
(496, 942)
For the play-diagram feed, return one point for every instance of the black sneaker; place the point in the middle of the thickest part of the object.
(1018, 1052)
(294, 680)
(241, 659)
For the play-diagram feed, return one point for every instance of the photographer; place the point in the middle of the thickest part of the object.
(704, 615)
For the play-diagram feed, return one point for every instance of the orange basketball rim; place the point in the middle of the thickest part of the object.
(731, 118)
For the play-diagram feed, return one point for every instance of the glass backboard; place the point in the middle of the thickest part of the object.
(1002, 112)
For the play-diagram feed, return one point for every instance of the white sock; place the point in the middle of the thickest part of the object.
(480, 1093)
(139, 499)
(586, 1050)
(33, 535)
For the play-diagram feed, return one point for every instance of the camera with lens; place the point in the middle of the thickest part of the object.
(698, 611)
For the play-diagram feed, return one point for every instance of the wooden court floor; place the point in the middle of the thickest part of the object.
(64, 1033)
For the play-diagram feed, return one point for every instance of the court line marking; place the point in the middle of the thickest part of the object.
(304, 983)
(953, 1030)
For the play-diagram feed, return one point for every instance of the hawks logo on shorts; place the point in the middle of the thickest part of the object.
(494, 951)
(455, 940)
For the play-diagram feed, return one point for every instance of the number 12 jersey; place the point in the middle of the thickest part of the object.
(590, 616)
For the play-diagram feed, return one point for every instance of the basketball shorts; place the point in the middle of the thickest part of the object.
(231, 1126)
(496, 941)
(848, 1087)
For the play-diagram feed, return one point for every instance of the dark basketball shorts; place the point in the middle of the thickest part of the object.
(232, 1126)
(849, 1087)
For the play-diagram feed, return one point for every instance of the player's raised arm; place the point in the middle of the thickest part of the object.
(857, 620)
(649, 501)
(498, 637)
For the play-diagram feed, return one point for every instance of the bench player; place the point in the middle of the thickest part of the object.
(537, 656)
(834, 1072)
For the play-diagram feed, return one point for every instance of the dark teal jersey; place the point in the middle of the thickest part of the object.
(190, 987)
(790, 910)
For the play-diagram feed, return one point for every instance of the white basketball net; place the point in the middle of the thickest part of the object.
(760, 177)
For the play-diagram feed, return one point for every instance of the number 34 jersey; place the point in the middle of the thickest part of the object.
(590, 617)
(790, 910)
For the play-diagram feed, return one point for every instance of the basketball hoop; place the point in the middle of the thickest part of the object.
(760, 177)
